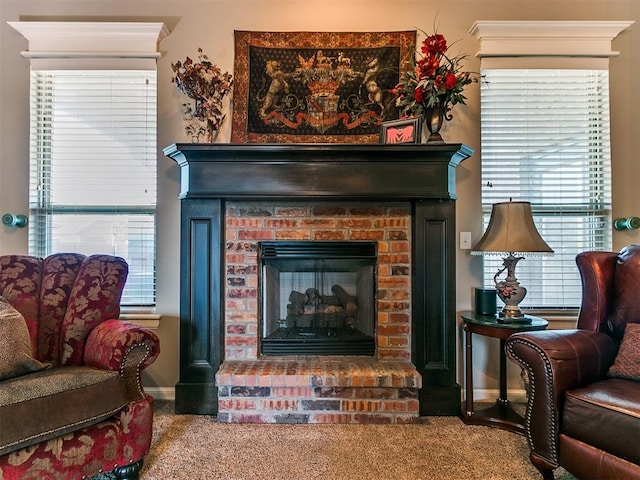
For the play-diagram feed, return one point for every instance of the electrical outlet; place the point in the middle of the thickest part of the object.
(465, 240)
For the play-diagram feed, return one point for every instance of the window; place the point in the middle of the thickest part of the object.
(545, 139)
(93, 169)
(93, 143)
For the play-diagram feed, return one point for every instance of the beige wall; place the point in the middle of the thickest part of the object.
(210, 24)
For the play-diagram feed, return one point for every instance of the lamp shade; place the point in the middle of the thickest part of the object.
(511, 230)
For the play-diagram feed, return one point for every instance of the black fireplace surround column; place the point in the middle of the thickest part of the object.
(423, 175)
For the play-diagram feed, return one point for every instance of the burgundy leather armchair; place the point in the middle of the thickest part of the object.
(578, 415)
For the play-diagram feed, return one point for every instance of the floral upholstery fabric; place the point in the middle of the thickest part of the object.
(110, 341)
(62, 297)
(118, 441)
(71, 304)
(95, 297)
(59, 273)
(51, 403)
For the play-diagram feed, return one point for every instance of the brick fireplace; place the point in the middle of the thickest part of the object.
(248, 223)
(401, 198)
(320, 389)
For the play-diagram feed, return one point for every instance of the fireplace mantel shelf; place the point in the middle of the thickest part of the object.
(318, 170)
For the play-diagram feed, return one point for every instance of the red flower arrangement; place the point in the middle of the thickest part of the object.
(437, 79)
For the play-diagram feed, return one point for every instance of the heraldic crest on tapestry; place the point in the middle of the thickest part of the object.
(316, 87)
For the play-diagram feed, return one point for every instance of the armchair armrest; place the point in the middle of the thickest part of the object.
(556, 361)
(123, 347)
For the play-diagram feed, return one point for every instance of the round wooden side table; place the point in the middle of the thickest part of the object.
(501, 414)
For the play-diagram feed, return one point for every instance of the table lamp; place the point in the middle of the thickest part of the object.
(511, 232)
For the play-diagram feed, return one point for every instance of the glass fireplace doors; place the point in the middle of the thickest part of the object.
(318, 298)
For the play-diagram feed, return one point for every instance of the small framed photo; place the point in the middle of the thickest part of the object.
(403, 130)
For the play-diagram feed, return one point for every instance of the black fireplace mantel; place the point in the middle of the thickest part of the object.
(403, 171)
(423, 175)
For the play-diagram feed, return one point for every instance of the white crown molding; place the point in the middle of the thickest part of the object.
(91, 39)
(504, 38)
(50, 54)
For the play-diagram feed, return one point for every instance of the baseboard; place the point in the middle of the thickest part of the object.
(161, 393)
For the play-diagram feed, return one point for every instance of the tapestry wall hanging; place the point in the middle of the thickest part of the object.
(316, 87)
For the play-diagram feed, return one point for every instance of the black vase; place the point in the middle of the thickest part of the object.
(434, 120)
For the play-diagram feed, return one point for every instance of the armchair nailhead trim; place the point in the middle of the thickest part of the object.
(133, 347)
(553, 434)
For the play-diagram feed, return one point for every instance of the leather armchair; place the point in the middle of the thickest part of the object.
(577, 415)
(87, 412)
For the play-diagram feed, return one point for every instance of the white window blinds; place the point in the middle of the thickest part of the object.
(545, 139)
(93, 169)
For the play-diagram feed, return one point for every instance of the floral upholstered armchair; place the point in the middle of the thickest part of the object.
(71, 400)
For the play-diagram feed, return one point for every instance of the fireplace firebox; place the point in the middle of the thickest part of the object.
(318, 298)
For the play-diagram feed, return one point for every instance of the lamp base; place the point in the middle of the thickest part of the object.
(511, 310)
(509, 290)
(512, 314)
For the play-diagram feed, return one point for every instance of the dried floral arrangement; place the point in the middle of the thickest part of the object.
(206, 85)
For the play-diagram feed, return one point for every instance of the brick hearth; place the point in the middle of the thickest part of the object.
(318, 390)
(321, 389)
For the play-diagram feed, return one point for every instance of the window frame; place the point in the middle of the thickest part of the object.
(533, 45)
(559, 160)
(107, 46)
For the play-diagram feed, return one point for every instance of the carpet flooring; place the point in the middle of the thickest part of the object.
(197, 447)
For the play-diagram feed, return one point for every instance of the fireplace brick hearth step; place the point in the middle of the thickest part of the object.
(318, 389)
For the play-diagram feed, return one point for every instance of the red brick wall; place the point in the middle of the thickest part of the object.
(247, 223)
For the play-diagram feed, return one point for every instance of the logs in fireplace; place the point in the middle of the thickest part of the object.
(318, 298)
